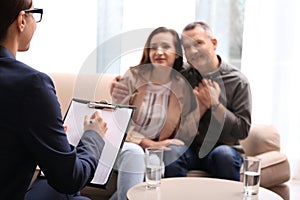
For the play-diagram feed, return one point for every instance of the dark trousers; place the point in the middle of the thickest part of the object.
(41, 190)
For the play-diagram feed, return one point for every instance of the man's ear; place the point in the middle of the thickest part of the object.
(215, 42)
(21, 22)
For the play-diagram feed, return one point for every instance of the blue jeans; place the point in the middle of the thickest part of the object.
(131, 169)
(222, 162)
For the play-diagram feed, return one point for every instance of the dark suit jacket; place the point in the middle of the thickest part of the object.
(32, 133)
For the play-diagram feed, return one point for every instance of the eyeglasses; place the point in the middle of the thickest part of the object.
(37, 14)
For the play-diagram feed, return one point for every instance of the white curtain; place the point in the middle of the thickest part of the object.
(226, 20)
(269, 60)
(110, 15)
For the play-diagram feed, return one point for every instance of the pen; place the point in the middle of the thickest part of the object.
(101, 105)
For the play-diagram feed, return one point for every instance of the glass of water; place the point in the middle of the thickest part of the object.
(154, 164)
(252, 167)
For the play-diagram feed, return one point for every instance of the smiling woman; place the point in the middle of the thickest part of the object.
(166, 109)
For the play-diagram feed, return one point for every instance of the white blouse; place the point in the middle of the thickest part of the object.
(153, 111)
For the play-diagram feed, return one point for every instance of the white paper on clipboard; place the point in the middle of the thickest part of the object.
(117, 117)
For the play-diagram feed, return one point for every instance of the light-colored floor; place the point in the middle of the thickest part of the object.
(294, 189)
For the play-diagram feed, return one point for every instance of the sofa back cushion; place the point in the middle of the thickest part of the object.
(94, 87)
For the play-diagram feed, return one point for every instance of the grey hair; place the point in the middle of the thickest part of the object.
(203, 25)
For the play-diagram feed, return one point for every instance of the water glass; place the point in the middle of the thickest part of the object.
(154, 164)
(251, 169)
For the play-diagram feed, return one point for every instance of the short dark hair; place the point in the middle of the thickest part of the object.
(203, 25)
(9, 11)
(178, 64)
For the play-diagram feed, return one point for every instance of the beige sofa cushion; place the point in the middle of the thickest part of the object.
(261, 139)
(94, 87)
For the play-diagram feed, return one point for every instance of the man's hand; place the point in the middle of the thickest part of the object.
(207, 93)
(202, 107)
(118, 90)
(214, 91)
(96, 123)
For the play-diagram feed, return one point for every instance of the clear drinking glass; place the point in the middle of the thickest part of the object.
(252, 167)
(154, 164)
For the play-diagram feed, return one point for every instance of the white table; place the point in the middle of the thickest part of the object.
(195, 188)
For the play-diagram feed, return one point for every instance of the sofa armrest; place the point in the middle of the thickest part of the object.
(261, 139)
(275, 168)
(271, 158)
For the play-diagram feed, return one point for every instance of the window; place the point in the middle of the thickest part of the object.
(70, 38)
(64, 38)
(138, 19)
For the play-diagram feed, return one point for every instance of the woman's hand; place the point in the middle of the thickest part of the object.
(165, 143)
(96, 123)
(65, 128)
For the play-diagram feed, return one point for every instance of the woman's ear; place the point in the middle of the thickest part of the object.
(21, 22)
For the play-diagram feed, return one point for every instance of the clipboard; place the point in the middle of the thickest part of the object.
(118, 119)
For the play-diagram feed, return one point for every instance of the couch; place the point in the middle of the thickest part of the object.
(263, 140)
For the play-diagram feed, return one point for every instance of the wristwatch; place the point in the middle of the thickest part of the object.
(214, 107)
